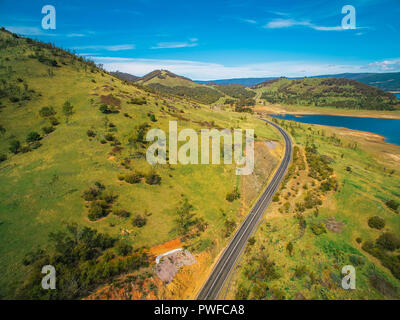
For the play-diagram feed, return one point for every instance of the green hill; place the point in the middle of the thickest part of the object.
(72, 151)
(387, 81)
(326, 92)
(167, 82)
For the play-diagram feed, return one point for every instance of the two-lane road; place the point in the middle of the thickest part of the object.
(226, 262)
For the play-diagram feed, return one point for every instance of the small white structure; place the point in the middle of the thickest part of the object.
(167, 253)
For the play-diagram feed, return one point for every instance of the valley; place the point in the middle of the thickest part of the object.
(77, 191)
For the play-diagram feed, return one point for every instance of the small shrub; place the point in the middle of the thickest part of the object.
(47, 130)
(46, 112)
(123, 249)
(54, 121)
(121, 213)
(318, 228)
(33, 136)
(133, 178)
(26, 149)
(91, 133)
(97, 211)
(376, 222)
(108, 196)
(392, 204)
(15, 146)
(109, 137)
(233, 195)
(153, 178)
(356, 260)
(3, 157)
(289, 248)
(153, 118)
(91, 194)
(358, 240)
(139, 221)
(300, 271)
(388, 241)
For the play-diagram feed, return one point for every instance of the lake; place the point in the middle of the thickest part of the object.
(397, 95)
(389, 128)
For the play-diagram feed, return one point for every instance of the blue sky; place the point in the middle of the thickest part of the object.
(207, 40)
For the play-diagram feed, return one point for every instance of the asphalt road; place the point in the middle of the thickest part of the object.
(227, 260)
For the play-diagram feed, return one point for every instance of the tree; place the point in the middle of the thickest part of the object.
(289, 248)
(153, 178)
(15, 146)
(33, 136)
(139, 221)
(376, 222)
(68, 110)
(46, 112)
(123, 249)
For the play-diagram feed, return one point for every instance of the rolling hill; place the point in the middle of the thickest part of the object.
(167, 82)
(389, 81)
(77, 191)
(326, 92)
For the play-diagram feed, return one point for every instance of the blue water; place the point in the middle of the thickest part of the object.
(389, 128)
(397, 95)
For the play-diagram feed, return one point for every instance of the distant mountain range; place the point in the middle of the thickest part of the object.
(340, 91)
(389, 81)
(125, 76)
(386, 81)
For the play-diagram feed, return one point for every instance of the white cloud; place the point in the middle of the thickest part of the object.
(209, 71)
(286, 23)
(386, 65)
(120, 47)
(171, 45)
(73, 35)
(251, 21)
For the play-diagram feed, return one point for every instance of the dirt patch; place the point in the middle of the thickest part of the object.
(264, 163)
(271, 145)
(333, 225)
(169, 266)
(110, 100)
(383, 286)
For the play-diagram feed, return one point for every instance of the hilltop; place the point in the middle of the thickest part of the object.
(125, 76)
(326, 92)
(166, 82)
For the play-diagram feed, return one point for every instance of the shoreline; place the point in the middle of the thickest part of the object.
(278, 109)
(378, 137)
(339, 114)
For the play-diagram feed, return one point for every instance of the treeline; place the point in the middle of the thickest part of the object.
(202, 94)
(236, 91)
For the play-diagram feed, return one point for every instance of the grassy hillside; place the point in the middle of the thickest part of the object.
(167, 82)
(339, 205)
(326, 92)
(72, 151)
(389, 81)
